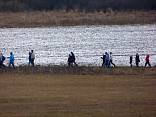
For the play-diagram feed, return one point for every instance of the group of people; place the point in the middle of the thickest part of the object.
(2, 59)
(11, 61)
(107, 60)
(137, 60)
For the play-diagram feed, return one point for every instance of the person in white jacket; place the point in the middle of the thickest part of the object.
(32, 57)
(111, 59)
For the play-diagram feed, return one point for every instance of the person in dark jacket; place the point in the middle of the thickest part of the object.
(131, 60)
(107, 61)
(147, 61)
(103, 58)
(32, 57)
(137, 59)
(29, 59)
(11, 60)
(2, 58)
(73, 58)
(70, 60)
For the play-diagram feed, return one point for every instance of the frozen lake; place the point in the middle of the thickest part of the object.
(53, 45)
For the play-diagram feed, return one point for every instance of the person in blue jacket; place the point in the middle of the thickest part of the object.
(107, 60)
(11, 60)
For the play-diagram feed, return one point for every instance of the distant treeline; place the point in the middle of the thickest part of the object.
(81, 5)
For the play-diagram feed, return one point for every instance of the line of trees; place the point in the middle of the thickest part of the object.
(87, 5)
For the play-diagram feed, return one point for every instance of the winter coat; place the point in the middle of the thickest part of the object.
(131, 59)
(11, 58)
(147, 58)
(32, 55)
(73, 57)
(107, 57)
(137, 59)
(111, 58)
(1, 57)
(104, 56)
(29, 57)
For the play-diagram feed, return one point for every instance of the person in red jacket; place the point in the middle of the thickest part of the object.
(147, 61)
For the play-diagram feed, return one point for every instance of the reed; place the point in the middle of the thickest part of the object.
(82, 70)
(74, 18)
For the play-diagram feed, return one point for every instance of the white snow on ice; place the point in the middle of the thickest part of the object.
(53, 45)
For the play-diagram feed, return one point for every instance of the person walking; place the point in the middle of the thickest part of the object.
(107, 61)
(1, 59)
(70, 60)
(131, 60)
(32, 57)
(103, 58)
(29, 59)
(73, 58)
(137, 59)
(111, 59)
(147, 61)
(11, 60)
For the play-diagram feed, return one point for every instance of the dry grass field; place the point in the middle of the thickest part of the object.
(74, 18)
(48, 95)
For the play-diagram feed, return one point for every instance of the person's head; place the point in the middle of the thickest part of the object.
(110, 52)
(131, 56)
(105, 52)
(10, 53)
(32, 51)
(137, 54)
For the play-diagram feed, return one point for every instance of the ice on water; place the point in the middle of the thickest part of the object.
(53, 45)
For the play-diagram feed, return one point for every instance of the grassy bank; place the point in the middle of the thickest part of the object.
(77, 96)
(74, 18)
(60, 70)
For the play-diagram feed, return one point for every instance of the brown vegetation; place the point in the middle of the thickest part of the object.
(74, 17)
(77, 95)
(82, 70)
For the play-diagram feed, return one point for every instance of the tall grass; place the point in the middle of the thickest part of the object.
(74, 17)
(63, 70)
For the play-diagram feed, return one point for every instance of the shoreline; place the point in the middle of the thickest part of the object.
(80, 70)
(34, 19)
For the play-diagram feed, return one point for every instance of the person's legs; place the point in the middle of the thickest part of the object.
(29, 63)
(32, 62)
(149, 64)
(9, 64)
(13, 65)
(108, 64)
(104, 65)
(0, 63)
(75, 63)
(145, 64)
(111, 62)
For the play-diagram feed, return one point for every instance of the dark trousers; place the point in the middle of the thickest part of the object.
(111, 62)
(12, 64)
(147, 62)
(107, 63)
(32, 62)
(137, 64)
